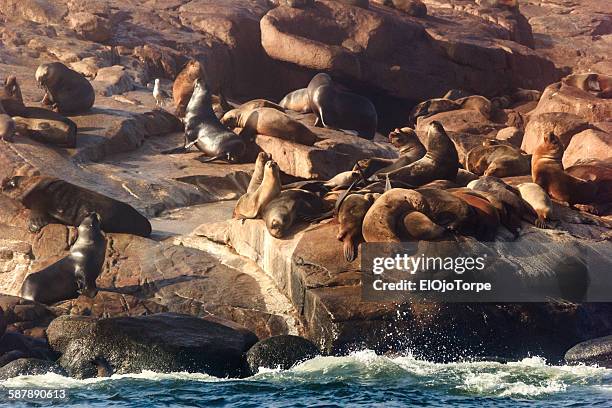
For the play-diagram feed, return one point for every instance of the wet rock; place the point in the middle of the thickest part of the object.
(162, 342)
(280, 352)
(595, 351)
(563, 125)
(29, 346)
(29, 366)
(112, 81)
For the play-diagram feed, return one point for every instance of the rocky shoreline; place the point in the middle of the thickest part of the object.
(208, 293)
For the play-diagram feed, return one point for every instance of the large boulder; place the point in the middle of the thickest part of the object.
(90, 26)
(564, 125)
(29, 366)
(24, 316)
(595, 351)
(280, 352)
(112, 80)
(162, 342)
(587, 145)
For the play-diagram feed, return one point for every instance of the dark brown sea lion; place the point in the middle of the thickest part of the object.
(66, 91)
(410, 149)
(204, 130)
(53, 200)
(487, 219)
(11, 98)
(497, 159)
(251, 204)
(447, 210)
(440, 161)
(338, 109)
(430, 107)
(296, 101)
(73, 275)
(269, 122)
(290, 207)
(350, 221)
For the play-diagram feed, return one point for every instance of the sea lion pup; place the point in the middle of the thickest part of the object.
(447, 210)
(343, 180)
(73, 275)
(269, 122)
(338, 109)
(204, 130)
(538, 200)
(391, 218)
(597, 84)
(52, 200)
(410, 150)
(430, 107)
(515, 208)
(250, 205)
(66, 91)
(440, 161)
(350, 221)
(497, 159)
(547, 171)
(258, 173)
(290, 207)
(260, 103)
(487, 217)
(296, 101)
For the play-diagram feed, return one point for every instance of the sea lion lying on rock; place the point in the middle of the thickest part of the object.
(269, 122)
(350, 221)
(338, 109)
(251, 204)
(73, 275)
(290, 207)
(446, 209)
(66, 91)
(431, 107)
(486, 218)
(539, 200)
(440, 162)
(597, 84)
(296, 101)
(493, 158)
(260, 103)
(414, 8)
(60, 133)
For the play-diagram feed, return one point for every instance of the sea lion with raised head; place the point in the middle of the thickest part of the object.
(539, 200)
(290, 207)
(73, 275)
(53, 200)
(441, 161)
(182, 88)
(66, 91)
(338, 109)
(350, 221)
(269, 122)
(204, 130)
(493, 158)
(258, 172)
(251, 204)
(11, 98)
(296, 101)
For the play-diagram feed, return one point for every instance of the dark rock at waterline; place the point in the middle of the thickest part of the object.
(2, 322)
(11, 356)
(29, 346)
(595, 351)
(163, 342)
(283, 352)
(29, 366)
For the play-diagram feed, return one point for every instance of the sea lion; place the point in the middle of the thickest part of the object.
(204, 130)
(67, 91)
(538, 200)
(290, 207)
(597, 84)
(446, 209)
(440, 184)
(182, 88)
(350, 221)
(414, 8)
(269, 122)
(410, 150)
(547, 171)
(296, 101)
(487, 218)
(260, 103)
(7, 125)
(338, 109)
(386, 219)
(250, 205)
(477, 103)
(53, 200)
(464, 177)
(430, 107)
(497, 159)
(258, 173)
(592, 170)
(73, 275)
(56, 132)
(343, 180)
(11, 98)
(440, 161)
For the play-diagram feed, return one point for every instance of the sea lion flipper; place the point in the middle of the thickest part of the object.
(176, 150)
(213, 158)
(38, 220)
(350, 250)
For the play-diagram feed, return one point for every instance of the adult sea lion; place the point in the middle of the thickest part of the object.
(350, 221)
(258, 173)
(67, 91)
(343, 180)
(430, 107)
(7, 125)
(56, 132)
(597, 84)
(538, 200)
(446, 209)
(296, 101)
(269, 122)
(440, 161)
(53, 200)
(338, 109)
(486, 216)
(73, 275)
(251, 205)
(290, 207)
(204, 130)
(497, 159)
(10, 97)
(260, 103)
(182, 88)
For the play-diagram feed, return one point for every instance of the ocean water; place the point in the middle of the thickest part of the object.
(360, 379)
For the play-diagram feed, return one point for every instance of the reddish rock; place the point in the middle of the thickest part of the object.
(563, 125)
(587, 145)
(90, 26)
(511, 135)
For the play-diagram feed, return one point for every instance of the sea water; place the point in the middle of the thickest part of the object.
(359, 379)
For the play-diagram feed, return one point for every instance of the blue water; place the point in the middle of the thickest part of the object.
(360, 379)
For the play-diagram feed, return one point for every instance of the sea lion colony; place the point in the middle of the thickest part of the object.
(428, 193)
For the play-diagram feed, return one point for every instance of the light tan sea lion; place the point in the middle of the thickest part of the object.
(257, 177)
(296, 101)
(252, 204)
(269, 122)
(539, 200)
(598, 84)
(260, 103)
(497, 159)
(55, 132)
(290, 207)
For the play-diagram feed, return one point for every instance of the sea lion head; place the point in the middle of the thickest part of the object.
(551, 146)
(402, 137)
(234, 150)
(89, 229)
(194, 69)
(278, 222)
(271, 169)
(42, 74)
(231, 118)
